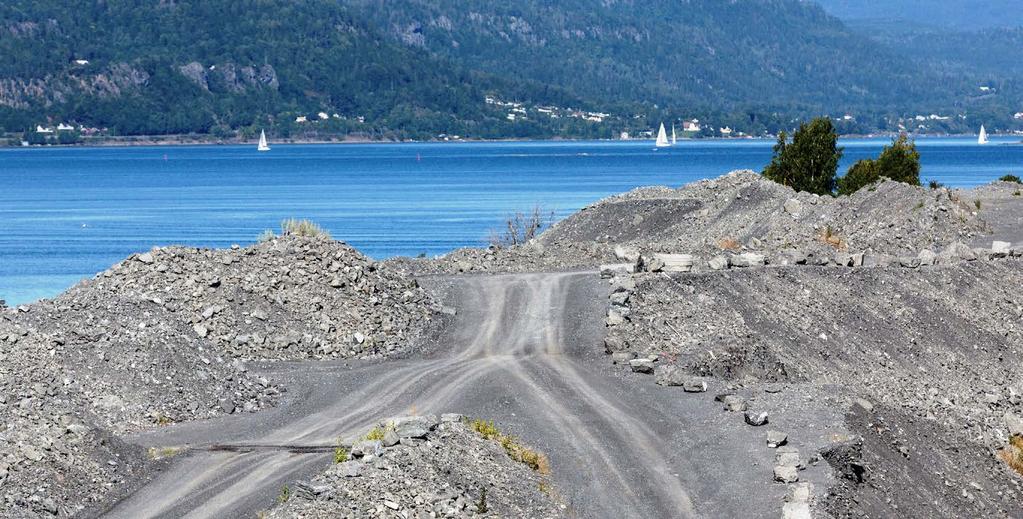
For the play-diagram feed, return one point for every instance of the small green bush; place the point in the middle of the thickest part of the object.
(285, 494)
(1011, 178)
(305, 228)
(340, 453)
(481, 505)
(976, 203)
(934, 184)
(899, 162)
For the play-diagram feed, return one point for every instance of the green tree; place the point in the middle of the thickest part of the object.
(900, 162)
(810, 162)
(863, 173)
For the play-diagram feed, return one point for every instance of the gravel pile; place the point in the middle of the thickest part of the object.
(743, 211)
(286, 298)
(54, 460)
(424, 468)
(738, 212)
(160, 337)
(936, 347)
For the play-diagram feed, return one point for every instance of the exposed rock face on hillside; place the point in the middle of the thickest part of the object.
(438, 470)
(157, 339)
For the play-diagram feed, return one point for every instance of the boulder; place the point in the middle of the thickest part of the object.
(733, 403)
(676, 262)
(719, 263)
(622, 357)
(776, 439)
(413, 426)
(624, 253)
(670, 376)
(367, 448)
(786, 474)
(390, 438)
(451, 418)
(1001, 247)
(694, 385)
(645, 366)
(748, 259)
(793, 207)
(756, 419)
(611, 270)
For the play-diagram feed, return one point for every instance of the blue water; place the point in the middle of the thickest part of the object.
(68, 213)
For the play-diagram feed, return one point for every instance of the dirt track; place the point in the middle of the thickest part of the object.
(522, 350)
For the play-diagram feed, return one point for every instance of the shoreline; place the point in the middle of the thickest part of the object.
(181, 141)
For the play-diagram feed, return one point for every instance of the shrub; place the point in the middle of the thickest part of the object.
(265, 236)
(810, 161)
(520, 227)
(899, 162)
(516, 451)
(340, 453)
(863, 173)
(976, 203)
(306, 228)
(934, 184)
(1011, 178)
(285, 494)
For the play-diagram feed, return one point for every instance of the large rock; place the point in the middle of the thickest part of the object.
(413, 426)
(645, 366)
(676, 262)
(719, 263)
(755, 418)
(748, 259)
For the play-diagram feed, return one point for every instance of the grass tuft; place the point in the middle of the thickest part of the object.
(515, 450)
(160, 453)
(305, 228)
(265, 236)
(285, 494)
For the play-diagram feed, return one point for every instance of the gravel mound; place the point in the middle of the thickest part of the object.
(740, 211)
(159, 338)
(936, 347)
(440, 470)
(286, 298)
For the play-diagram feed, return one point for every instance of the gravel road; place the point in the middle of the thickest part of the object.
(522, 350)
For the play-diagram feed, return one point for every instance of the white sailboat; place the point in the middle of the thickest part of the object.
(983, 136)
(263, 146)
(674, 140)
(662, 138)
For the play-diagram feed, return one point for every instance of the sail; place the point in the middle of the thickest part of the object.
(983, 136)
(674, 140)
(662, 138)
(263, 146)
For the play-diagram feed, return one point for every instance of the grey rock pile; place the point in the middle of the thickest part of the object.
(437, 468)
(161, 338)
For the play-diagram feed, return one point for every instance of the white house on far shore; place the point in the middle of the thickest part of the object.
(40, 129)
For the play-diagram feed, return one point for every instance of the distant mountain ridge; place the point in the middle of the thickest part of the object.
(421, 69)
(954, 14)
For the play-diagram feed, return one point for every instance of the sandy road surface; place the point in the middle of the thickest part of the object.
(523, 350)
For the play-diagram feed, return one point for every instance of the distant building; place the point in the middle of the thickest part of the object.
(985, 89)
(81, 62)
(323, 116)
(511, 117)
(1019, 115)
(624, 136)
(726, 131)
(301, 119)
(65, 128)
(692, 126)
(40, 129)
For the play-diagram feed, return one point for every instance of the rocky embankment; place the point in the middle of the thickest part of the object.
(738, 213)
(422, 466)
(931, 354)
(161, 338)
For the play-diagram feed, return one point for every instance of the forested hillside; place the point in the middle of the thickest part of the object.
(420, 69)
(191, 66)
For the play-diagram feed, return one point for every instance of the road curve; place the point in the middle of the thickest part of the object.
(523, 350)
